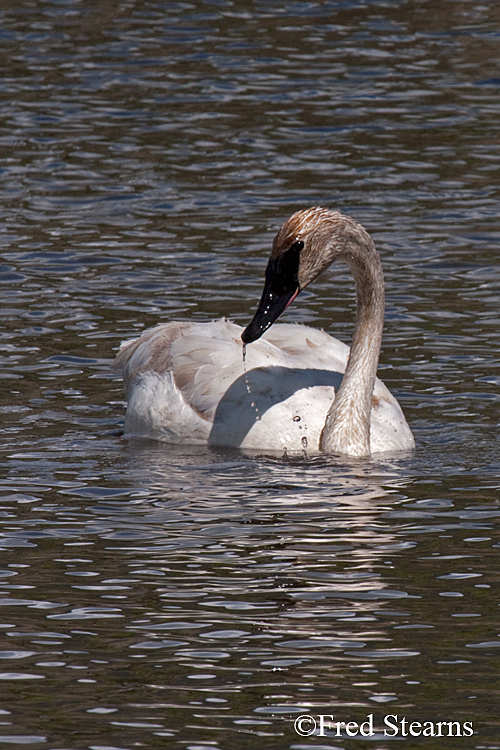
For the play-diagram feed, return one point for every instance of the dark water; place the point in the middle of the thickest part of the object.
(199, 599)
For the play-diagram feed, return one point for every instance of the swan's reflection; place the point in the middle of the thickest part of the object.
(304, 527)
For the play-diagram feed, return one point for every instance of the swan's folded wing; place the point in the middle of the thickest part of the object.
(175, 375)
(309, 347)
(151, 352)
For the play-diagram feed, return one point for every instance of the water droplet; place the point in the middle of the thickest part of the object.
(296, 418)
(253, 405)
(304, 442)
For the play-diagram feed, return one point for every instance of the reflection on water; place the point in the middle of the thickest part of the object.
(207, 597)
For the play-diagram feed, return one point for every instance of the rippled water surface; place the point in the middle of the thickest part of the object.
(182, 597)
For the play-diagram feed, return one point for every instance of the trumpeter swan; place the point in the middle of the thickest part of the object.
(299, 387)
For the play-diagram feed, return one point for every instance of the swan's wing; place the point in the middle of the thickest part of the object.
(207, 357)
(156, 406)
(176, 374)
(308, 347)
(151, 352)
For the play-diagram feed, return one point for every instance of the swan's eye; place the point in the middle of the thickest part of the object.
(298, 245)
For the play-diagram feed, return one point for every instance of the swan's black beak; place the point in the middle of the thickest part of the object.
(280, 289)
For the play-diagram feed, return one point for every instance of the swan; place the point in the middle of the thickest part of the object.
(295, 388)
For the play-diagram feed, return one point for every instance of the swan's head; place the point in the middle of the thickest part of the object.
(304, 247)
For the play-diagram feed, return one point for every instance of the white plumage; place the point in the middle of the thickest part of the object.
(186, 383)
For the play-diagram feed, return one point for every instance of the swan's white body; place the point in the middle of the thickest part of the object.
(299, 389)
(187, 383)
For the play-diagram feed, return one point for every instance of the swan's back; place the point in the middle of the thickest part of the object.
(187, 383)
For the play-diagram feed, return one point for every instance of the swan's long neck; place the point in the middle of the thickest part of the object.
(347, 426)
